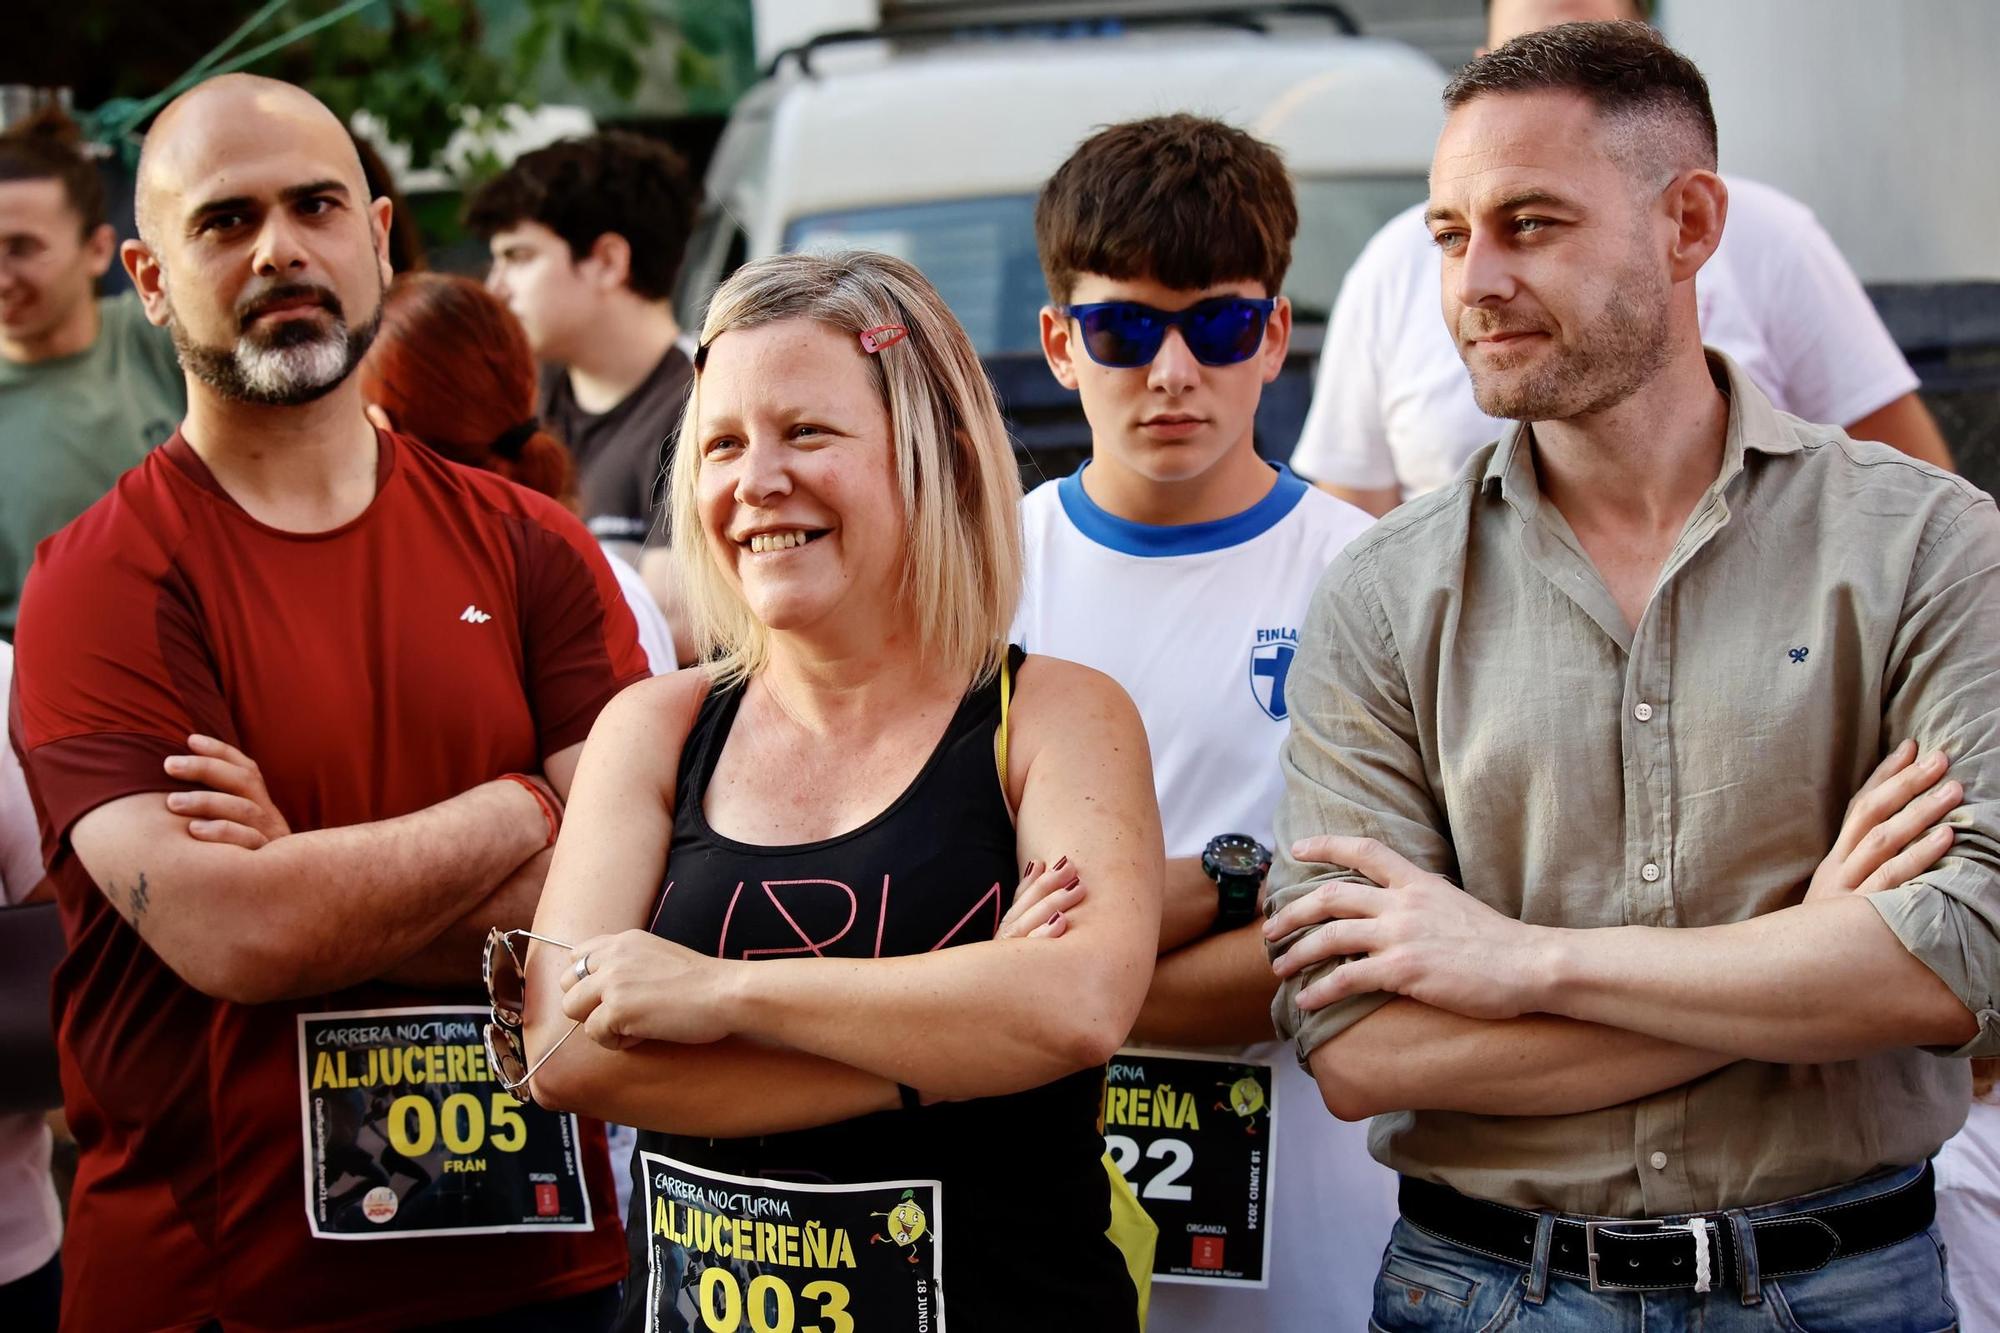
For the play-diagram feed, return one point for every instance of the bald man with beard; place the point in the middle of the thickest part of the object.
(298, 702)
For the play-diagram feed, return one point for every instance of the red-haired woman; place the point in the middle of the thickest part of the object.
(451, 367)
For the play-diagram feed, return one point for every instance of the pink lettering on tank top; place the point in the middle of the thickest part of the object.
(800, 890)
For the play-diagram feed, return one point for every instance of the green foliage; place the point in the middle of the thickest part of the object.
(715, 59)
(426, 68)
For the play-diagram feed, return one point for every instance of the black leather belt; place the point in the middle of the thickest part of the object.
(1647, 1255)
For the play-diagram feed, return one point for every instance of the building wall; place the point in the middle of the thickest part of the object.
(1879, 115)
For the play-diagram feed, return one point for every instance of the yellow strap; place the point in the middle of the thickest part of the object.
(1000, 735)
(1135, 1233)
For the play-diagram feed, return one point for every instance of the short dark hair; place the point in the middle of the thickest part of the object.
(1625, 69)
(1186, 201)
(583, 188)
(49, 146)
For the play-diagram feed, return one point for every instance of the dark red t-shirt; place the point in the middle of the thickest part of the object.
(462, 627)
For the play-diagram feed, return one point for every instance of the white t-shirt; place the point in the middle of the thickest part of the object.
(1393, 403)
(1968, 1213)
(654, 636)
(1199, 623)
(30, 1219)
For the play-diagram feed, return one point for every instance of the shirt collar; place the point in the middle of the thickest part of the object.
(1754, 425)
(1148, 539)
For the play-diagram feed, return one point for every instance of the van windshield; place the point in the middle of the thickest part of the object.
(980, 253)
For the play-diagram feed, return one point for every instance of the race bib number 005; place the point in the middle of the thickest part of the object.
(408, 1132)
(732, 1254)
(1192, 1135)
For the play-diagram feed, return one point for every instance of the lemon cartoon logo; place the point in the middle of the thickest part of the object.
(905, 1224)
(1246, 1098)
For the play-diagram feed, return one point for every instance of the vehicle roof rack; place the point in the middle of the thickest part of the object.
(1022, 19)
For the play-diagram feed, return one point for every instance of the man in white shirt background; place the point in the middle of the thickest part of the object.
(1393, 414)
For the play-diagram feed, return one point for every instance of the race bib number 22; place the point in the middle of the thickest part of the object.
(1192, 1135)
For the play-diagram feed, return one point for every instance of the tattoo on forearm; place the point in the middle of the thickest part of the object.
(134, 902)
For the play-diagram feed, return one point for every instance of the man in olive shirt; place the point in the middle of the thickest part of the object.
(1618, 680)
(87, 386)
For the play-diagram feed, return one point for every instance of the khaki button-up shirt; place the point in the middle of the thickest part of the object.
(1467, 692)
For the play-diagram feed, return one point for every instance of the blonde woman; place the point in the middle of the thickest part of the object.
(865, 1062)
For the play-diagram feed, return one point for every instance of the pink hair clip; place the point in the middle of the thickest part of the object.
(882, 335)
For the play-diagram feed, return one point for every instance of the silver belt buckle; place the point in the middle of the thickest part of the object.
(1590, 1230)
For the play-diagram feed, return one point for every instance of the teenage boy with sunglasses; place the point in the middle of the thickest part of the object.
(1180, 562)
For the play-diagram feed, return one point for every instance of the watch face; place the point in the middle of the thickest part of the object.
(1237, 858)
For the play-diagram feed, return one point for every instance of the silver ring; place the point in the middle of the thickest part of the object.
(582, 967)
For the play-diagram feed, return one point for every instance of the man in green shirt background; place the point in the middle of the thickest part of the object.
(87, 386)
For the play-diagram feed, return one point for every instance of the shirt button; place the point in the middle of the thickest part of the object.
(1659, 1161)
(1644, 712)
(1649, 872)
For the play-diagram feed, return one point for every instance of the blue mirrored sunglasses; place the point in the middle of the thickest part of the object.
(1125, 335)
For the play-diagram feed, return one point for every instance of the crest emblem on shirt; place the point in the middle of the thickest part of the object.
(1270, 663)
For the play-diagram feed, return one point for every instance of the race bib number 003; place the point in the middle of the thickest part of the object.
(731, 1254)
(1192, 1135)
(408, 1132)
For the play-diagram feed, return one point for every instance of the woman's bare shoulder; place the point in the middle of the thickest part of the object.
(1053, 687)
(1067, 707)
(650, 719)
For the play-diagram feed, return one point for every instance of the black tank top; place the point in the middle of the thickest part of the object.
(1026, 1200)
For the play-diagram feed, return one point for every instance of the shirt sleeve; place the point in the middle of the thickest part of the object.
(1944, 690)
(579, 640)
(1353, 766)
(112, 674)
(656, 638)
(1835, 357)
(1345, 441)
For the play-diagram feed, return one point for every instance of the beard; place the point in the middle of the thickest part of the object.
(1613, 356)
(296, 362)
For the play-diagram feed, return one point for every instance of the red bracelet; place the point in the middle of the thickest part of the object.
(541, 799)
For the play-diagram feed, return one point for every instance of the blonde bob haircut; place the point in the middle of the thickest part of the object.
(961, 491)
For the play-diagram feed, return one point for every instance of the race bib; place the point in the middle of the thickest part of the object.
(408, 1132)
(727, 1253)
(1192, 1135)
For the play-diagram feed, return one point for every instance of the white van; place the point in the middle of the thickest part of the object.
(934, 148)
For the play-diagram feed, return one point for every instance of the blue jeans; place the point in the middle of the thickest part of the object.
(1436, 1286)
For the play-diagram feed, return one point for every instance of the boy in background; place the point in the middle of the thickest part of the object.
(587, 236)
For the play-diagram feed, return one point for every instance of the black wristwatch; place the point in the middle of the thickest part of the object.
(1237, 863)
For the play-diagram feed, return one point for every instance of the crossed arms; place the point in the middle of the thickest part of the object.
(1447, 1004)
(685, 1043)
(246, 910)
(1496, 1017)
